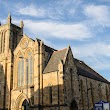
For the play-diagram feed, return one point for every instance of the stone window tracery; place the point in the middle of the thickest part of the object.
(25, 69)
(20, 72)
(30, 68)
(2, 41)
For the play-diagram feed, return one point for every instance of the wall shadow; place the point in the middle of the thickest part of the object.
(51, 97)
(4, 96)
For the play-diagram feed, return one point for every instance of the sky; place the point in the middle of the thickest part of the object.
(82, 24)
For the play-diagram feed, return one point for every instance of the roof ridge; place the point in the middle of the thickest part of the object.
(96, 74)
(50, 47)
(59, 50)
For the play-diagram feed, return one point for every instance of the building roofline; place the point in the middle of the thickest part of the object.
(93, 71)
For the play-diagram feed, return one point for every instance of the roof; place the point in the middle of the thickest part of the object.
(49, 49)
(15, 26)
(82, 68)
(86, 71)
(54, 60)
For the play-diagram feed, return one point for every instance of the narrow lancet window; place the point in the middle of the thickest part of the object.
(20, 72)
(30, 68)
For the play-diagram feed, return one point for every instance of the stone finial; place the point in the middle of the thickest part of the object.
(21, 24)
(9, 18)
(0, 23)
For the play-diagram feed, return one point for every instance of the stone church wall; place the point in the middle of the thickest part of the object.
(71, 81)
(92, 91)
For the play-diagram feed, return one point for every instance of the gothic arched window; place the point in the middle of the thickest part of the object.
(107, 96)
(99, 91)
(20, 72)
(50, 93)
(71, 76)
(82, 93)
(92, 93)
(4, 41)
(1, 42)
(30, 68)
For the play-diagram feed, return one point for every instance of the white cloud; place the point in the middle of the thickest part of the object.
(95, 54)
(92, 50)
(55, 10)
(49, 29)
(98, 14)
(99, 63)
(34, 11)
(58, 30)
(31, 10)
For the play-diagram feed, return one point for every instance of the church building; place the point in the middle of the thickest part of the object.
(34, 76)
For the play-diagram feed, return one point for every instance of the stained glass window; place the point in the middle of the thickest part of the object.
(20, 72)
(30, 68)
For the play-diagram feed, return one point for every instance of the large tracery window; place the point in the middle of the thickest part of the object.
(30, 68)
(27, 75)
(20, 72)
(2, 41)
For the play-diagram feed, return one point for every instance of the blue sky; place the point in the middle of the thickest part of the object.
(82, 24)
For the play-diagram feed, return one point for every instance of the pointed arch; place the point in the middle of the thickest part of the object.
(20, 99)
(20, 54)
(73, 105)
(27, 51)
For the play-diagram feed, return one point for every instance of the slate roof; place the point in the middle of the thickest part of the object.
(15, 26)
(54, 60)
(86, 71)
(49, 49)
